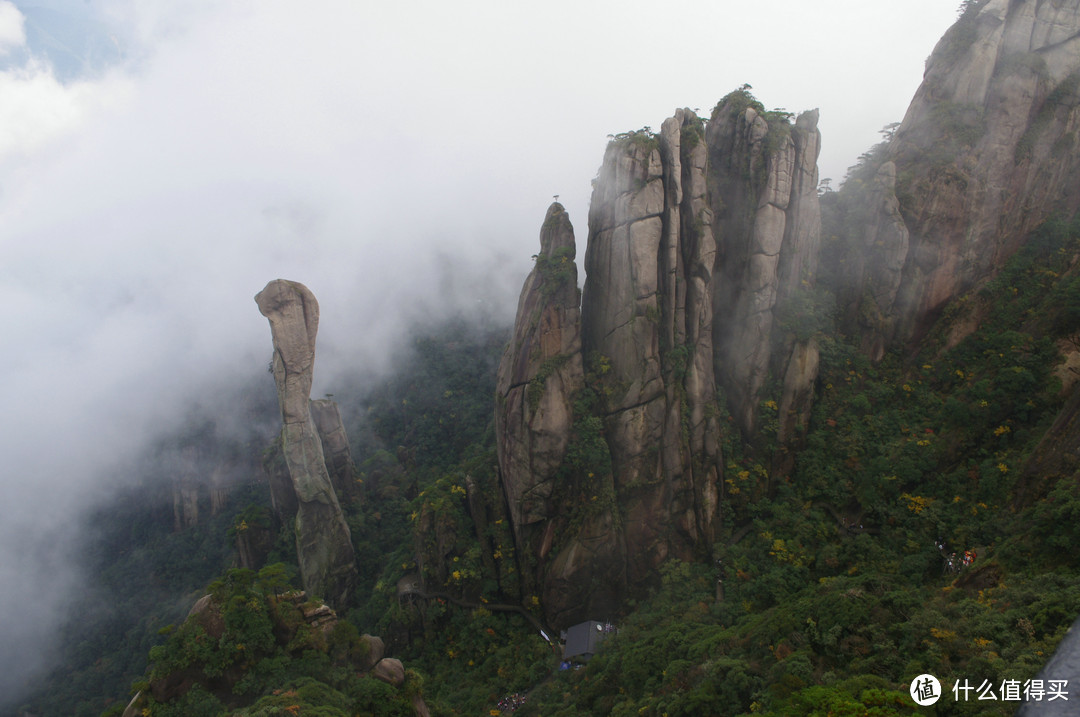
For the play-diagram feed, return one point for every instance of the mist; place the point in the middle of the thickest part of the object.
(398, 160)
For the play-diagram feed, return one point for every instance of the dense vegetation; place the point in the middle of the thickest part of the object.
(830, 593)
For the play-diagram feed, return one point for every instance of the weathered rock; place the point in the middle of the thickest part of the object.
(220, 478)
(200, 481)
(186, 486)
(434, 538)
(765, 202)
(207, 614)
(588, 571)
(389, 670)
(324, 549)
(632, 475)
(321, 616)
(796, 363)
(660, 406)
(877, 263)
(988, 149)
(1063, 666)
(376, 648)
(289, 612)
(538, 377)
(1056, 456)
(420, 707)
(282, 495)
(335, 445)
(253, 545)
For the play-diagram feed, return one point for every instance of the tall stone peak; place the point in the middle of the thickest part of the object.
(702, 307)
(609, 438)
(988, 150)
(764, 173)
(539, 377)
(324, 547)
(293, 313)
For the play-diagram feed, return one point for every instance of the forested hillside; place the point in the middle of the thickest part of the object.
(829, 587)
(789, 447)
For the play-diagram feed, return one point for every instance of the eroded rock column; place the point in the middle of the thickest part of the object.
(323, 544)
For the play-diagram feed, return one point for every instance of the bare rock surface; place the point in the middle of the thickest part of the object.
(335, 445)
(324, 549)
(608, 421)
(989, 149)
(538, 378)
(389, 670)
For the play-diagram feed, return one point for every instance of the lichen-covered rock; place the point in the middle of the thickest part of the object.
(324, 548)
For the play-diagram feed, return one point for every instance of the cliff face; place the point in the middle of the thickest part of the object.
(702, 296)
(764, 170)
(324, 549)
(986, 152)
(697, 237)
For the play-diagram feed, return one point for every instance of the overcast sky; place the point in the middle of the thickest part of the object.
(161, 161)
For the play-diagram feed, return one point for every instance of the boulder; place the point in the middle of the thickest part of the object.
(376, 648)
(207, 614)
(389, 670)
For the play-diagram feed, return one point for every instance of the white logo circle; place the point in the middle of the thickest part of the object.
(925, 690)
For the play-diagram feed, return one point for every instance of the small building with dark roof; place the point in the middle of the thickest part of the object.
(583, 639)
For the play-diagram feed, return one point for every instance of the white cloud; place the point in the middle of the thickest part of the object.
(37, 108)
(12, 28)
(372, 151)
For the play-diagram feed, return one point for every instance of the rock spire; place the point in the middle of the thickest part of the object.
(608, 418)
(323, 545)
